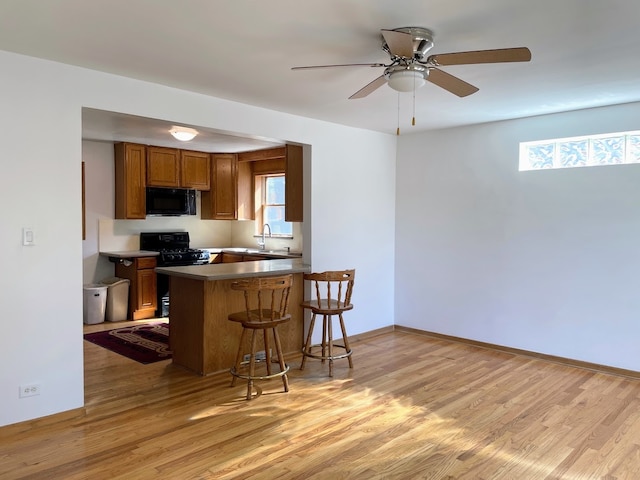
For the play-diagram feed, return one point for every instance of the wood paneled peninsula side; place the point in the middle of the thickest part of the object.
(201, 337)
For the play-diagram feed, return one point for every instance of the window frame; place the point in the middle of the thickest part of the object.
(260, 181)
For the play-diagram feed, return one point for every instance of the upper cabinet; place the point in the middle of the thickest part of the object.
(175, 168)
(130, 181)
(225, 179)
(195, 169)
(163, 167)
(293, 184)
(221, 202)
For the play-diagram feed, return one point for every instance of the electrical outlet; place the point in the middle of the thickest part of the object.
(260, 356)
(29, 390)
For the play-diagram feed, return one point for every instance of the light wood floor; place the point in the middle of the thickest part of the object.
(413, 407)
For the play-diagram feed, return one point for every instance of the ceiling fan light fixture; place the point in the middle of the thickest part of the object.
(183, 134)
(406, 80)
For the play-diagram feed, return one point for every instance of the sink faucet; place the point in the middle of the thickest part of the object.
(263, 243)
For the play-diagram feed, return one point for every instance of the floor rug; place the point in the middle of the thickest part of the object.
(145, 343)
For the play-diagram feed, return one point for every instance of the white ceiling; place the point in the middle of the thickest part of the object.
(584, 54)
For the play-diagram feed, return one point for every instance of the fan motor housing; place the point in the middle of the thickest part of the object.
(422, 41)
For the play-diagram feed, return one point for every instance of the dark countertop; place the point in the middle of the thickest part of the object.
(226, 271)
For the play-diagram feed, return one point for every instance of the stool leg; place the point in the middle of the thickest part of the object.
(324, 336)
(330, 326)
(307, 343)
(252, 364)
(346, 340)
(238, 357)
(285, 379)
(267, 355)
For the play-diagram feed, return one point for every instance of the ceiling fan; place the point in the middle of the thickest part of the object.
(410, 67)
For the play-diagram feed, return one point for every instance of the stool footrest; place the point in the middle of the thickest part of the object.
(244, 376)
(307, 352)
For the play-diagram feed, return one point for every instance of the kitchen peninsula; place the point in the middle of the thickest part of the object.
(200, 336)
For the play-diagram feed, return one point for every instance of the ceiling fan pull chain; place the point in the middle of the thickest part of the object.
(398, 128)
(413, 120)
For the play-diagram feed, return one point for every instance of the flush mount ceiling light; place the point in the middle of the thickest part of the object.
(183, 134)
(406, 80)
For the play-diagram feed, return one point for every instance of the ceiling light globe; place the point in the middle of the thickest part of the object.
(406, 80)
(183, 134)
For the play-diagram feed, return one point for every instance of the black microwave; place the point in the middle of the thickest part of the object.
(171, 201)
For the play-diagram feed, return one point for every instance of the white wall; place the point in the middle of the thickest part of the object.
(349, 207)
(545, 261)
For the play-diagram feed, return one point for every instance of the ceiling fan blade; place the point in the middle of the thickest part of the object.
(450, 83)
(369, 88)
(400, 44)
(342, 65)
(520, 54)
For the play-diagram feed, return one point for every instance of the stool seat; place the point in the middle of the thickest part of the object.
(253, 320)
(266, 307)
(329, 303)
(326, 306)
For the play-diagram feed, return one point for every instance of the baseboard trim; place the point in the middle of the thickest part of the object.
(373, 333)
(526, 353)
(41, 422)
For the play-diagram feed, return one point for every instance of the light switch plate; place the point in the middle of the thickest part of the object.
(28, 237)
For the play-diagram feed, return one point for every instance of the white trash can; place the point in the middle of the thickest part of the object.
(94, 303)
(117, 298)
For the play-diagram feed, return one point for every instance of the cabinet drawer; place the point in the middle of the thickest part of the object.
(146, 262)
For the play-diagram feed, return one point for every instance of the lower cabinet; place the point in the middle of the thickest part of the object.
(226, 257)
(143, 286)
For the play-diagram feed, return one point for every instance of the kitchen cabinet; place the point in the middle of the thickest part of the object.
(232, 257)
(175, 168)
(227, 257)
(163, 167)
(130, 181)
(293, 209)
(253, 258)
(221, 202)
(143, 286)
(195, 170)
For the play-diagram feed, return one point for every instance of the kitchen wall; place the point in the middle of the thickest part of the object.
(104, 233)
(545, 261)
(42, 148)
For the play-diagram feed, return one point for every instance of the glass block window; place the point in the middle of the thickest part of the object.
(586, 151)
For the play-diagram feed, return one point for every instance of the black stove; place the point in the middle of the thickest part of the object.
(173, 248)
(174, 251)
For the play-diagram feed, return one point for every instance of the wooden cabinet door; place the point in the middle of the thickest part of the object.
(130, 181)
(147, 289)
(163, 167)
(253, 258)
(143, 286)
(293, 184)
(195, 170)
(221, 203)
(231, 258)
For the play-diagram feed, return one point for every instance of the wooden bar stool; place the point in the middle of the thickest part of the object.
(328, 304)
(266, 307)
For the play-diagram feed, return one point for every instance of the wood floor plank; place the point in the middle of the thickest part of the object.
(412, 407)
